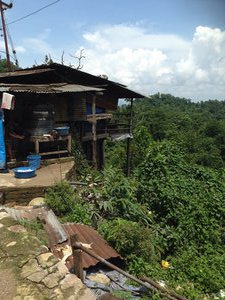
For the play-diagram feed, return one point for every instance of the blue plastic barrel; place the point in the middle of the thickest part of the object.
(34, 161)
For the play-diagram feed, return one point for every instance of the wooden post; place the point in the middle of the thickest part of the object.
(128, 167)
(94, 135)
(77, 258)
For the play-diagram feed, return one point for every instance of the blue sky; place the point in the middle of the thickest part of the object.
(168, 46)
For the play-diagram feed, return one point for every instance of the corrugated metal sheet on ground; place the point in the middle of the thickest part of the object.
(47, 88)
(52, 226)
(88, 235)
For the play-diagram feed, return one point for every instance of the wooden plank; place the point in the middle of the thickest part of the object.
(53, 152)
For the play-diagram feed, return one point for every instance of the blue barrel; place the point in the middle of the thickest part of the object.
(34, 161)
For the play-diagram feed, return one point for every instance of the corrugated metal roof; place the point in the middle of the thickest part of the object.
(48, 88)
(53, 227)
(88, 235)
(64, 73)
(25, 72)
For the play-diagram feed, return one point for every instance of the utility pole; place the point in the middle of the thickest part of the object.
(4, 6)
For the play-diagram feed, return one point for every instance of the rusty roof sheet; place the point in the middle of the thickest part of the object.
(52, 226)
(48, 88)
(25, 72)
(88, 235)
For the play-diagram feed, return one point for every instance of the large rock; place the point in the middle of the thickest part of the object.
(100, 278)
(37, 201)
(47, 260)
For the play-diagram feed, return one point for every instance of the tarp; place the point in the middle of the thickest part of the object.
(2, 143)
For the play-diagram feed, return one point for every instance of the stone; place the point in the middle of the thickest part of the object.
(47, 260)
(1, 225)
(17, 228)
(100, 278)
(3, 215)
(29, 268)
(42, 249)
(86, 294)
(52, 280)
(11, 244)
(69, 281)
(60, 268)
(37, 201)
(38, 276)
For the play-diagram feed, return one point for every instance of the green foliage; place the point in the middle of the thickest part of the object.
(187, 200)
(35, 227)
(4, 66)
(117, 197)
(67, 205)
(60, 198)
(123, 295)
(130, 239)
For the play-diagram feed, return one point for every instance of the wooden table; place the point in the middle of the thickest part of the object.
(48, 138)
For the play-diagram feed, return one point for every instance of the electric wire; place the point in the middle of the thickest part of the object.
(33, 13)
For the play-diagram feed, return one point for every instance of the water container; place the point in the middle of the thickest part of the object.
(41, 119)
(34, 161)
(24, 172)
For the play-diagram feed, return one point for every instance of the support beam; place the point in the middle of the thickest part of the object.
(128, 166)
(94, 134)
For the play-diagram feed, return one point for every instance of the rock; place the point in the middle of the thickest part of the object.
(100, 278)
(71, 281)
(37, 201)
(86, 294)
(60, 268)
(25, 291)
(3, 215)
(17, 228)
(47, 260)
(1, 225)
(29, 268)
(52, 280)
(42, 249)
(11, 244)
(38, 276)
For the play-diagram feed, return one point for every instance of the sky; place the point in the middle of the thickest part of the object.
(165, 46)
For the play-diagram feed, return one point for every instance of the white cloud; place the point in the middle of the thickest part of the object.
(20, 49)
(147, 62)
(159, 62)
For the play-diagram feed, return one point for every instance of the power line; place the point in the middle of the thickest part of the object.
(34, 12)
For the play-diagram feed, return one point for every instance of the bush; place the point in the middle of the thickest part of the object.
(130, 239)
(67, 205)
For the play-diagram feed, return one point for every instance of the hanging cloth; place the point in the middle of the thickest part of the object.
(2, 143)
(8, 101)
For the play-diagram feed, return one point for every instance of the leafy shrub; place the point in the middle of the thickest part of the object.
(187, 200)
(119, 197)
(130, 239)
(67, 205)
(60, 198)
